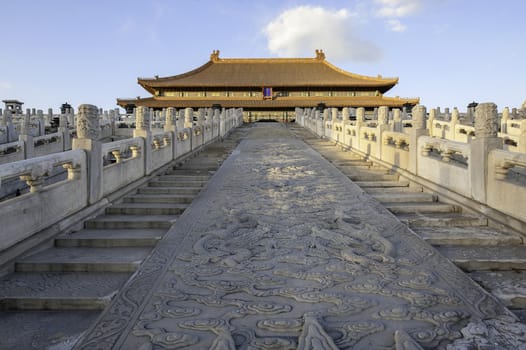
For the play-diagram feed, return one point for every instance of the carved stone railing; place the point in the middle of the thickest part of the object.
(45, 203)
(95, 170)
(470, 168)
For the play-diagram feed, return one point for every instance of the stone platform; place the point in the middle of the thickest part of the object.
(282, 251)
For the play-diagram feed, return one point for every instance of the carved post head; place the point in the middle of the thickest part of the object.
(326, 114)
(142, 118)
(486, 120)
(419, 117)
(88, 122)
(383, 115)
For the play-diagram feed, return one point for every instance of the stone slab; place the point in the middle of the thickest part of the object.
(283, 251)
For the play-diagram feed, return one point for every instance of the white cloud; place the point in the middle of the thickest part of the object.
(393, 10)
(300, 30)
(396, 26)
(398, 8)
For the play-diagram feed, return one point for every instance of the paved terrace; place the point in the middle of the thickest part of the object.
(281, 250)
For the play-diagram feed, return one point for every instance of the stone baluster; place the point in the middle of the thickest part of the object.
(26, 136)
(188, 118)
(504, 120)
(419, 129)
(143, 130)
(3, 119)
(397, 121)
(180, 120)
(453, 123)
(41, 123)
(381, 127)
(88, 134)
(49, 116)
(431, 120)
(486, 139)
(170, 125)
(222, 123)
(12, 133)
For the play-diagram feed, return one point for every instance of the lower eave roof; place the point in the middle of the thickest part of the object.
(351, 101)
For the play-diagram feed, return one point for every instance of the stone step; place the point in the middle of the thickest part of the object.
(131, 222)
(159, 198)
(474, 258)
(508, 286)
(146, 209)
(170, 190)
(382, 184)
(363, 170)
(58, 259)
(405, 189)
(404, 197)
(176, 183)
(189, 177)
(442, 219)
(352, 162)
(59, 291)
(467, 236)
(111, 238)
(420, 207)
(373, 177)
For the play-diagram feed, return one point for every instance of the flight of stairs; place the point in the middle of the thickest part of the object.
(56, 294)
(495, 258)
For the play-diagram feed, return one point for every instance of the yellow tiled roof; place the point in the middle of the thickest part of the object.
(267, 72)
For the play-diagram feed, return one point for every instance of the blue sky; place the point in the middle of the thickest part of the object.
(447, 52)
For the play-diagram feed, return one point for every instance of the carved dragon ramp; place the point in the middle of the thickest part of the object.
(282, 251)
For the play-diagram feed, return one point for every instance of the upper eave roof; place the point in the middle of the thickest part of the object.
(267, 72)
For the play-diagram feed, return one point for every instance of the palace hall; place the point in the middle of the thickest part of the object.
(267, 88)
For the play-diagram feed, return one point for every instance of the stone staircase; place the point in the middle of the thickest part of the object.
(493, 257)
(56, 294)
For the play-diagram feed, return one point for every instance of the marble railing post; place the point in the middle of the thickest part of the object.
(431, 120)
(521, 146)
(188, 117)
(222, 123)
(453, 123)
(383, 125)
(88, 133)
(64, 130)
(26, 136)
(418, 129)
(360, 118)
(170, 125)
(143, 129)
(504, 120)
(486, 140)
(216, 122)
(41, 123)
(397, 121)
